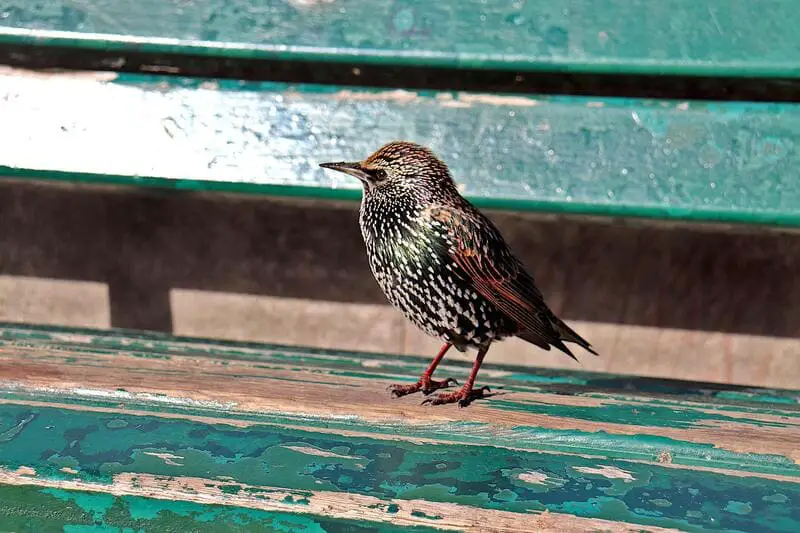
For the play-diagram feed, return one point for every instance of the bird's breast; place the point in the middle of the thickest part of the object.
(409, 257)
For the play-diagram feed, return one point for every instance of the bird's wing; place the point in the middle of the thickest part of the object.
(483, 256)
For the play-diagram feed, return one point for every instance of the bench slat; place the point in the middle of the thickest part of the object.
(622, 36)
(728, 162)
(220, 428)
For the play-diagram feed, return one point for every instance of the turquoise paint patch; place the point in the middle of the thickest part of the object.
(632, 413)
(94, 528)
(741, 508)
(97, 504)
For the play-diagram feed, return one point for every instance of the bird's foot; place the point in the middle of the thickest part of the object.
(425, 384)
(463, 396)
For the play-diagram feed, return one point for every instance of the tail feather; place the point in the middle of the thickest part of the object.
(535, 338)
(560, 333)
(566, 333)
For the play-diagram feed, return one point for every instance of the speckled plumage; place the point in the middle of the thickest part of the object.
(442, 263)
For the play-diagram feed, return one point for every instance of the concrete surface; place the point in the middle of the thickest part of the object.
(655, 300)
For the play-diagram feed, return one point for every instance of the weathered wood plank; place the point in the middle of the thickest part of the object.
(733, 162)
(196, 424)
(672, 36)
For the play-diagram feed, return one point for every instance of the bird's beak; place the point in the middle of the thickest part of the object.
(353, 169)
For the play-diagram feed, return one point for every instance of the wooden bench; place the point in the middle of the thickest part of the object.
(138, 432)
(639, 110)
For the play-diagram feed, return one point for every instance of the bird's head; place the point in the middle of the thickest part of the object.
(398, 166)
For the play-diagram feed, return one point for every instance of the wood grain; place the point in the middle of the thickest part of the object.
(314, 435)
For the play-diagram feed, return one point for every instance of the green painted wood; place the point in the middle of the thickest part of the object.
(141, 431)
(725, 162)
(673, 36)
(31, 508)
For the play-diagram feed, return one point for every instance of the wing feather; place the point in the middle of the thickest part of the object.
(479, 250)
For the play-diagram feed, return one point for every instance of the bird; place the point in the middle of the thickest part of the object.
(446, 266)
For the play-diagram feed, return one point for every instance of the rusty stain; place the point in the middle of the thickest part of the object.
(664, 457)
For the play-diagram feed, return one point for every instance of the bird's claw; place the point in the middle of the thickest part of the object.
(427, 386)
(433, 386)
(464, 398)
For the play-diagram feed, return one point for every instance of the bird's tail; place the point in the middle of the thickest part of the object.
(560, 332)
(566, 333)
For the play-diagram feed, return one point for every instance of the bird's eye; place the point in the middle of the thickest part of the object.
(379, 174)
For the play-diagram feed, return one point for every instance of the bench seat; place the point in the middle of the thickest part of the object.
(146, 431)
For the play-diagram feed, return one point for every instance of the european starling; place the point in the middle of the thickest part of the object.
(445, 265)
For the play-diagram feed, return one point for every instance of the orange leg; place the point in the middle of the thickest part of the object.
(466, 394)
(425, 383)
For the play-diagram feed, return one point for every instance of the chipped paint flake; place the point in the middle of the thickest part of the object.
(310, 450)
(6, 71)
(398, 96)
(535, 478)
(469, 99)
(168, 458)
(606, 471)
(25, 471)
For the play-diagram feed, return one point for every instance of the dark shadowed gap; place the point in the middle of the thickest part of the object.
(408, 77)
(145, 242)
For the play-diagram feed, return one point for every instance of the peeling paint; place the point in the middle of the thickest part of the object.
(336, 505)
(55, 76)
(309, 450)
(168, 458)
(536, 478)
(398, 96)
(606, 471)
